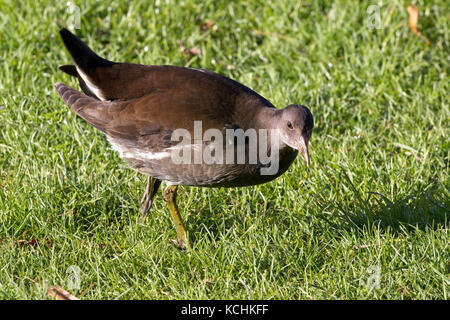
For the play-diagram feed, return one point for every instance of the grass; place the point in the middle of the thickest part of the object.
(367, 220)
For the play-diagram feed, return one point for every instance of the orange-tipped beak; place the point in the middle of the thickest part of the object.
(304, 150)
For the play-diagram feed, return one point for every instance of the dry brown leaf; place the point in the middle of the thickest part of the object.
(362, 246)
(263, 33)
(413, 18)
(181, 46)
(207, 25)
(27, 243)
(60, 294)
(413, 13)
(195, 51)
(32, 243)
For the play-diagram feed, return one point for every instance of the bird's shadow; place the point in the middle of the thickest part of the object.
(425, 209)
(209, 219)
(422, 210)
(91, 207)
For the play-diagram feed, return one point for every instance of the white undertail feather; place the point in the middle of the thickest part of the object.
(96, 90)
(135, 153)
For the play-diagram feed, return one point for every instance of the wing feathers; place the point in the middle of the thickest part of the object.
(90, 109)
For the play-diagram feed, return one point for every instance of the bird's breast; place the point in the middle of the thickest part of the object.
(208, 163)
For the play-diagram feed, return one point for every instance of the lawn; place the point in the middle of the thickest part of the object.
(367, 220)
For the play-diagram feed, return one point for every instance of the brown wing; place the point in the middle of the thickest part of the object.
(128, 81)
(109, 80)
(144, 119)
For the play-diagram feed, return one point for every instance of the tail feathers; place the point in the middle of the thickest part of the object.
(72, 70)
(90, 109)
(69, 69)
(82, 55)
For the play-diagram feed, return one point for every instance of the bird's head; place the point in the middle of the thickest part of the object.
(295, 125)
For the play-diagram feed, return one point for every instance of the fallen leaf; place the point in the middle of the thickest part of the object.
(32, 243)
(195, 51)
(413, 18)
(25, 243)
(278, 35)
(413, 13)
(362, 246)
(60, 294)
(209, 282)
(207, 25)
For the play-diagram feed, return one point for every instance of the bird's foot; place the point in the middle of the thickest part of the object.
(150, 192)
(182, 245)
(145, 207)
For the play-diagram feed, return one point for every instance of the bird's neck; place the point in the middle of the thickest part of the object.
(266, 118)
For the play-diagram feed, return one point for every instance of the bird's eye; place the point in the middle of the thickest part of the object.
(289, 124)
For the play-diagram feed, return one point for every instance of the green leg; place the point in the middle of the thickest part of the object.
(170, 196)
(150, 192)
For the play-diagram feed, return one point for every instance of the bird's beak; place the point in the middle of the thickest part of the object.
(304, 149)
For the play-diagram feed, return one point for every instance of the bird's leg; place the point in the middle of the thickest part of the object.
(170, 196)
(150, 192)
